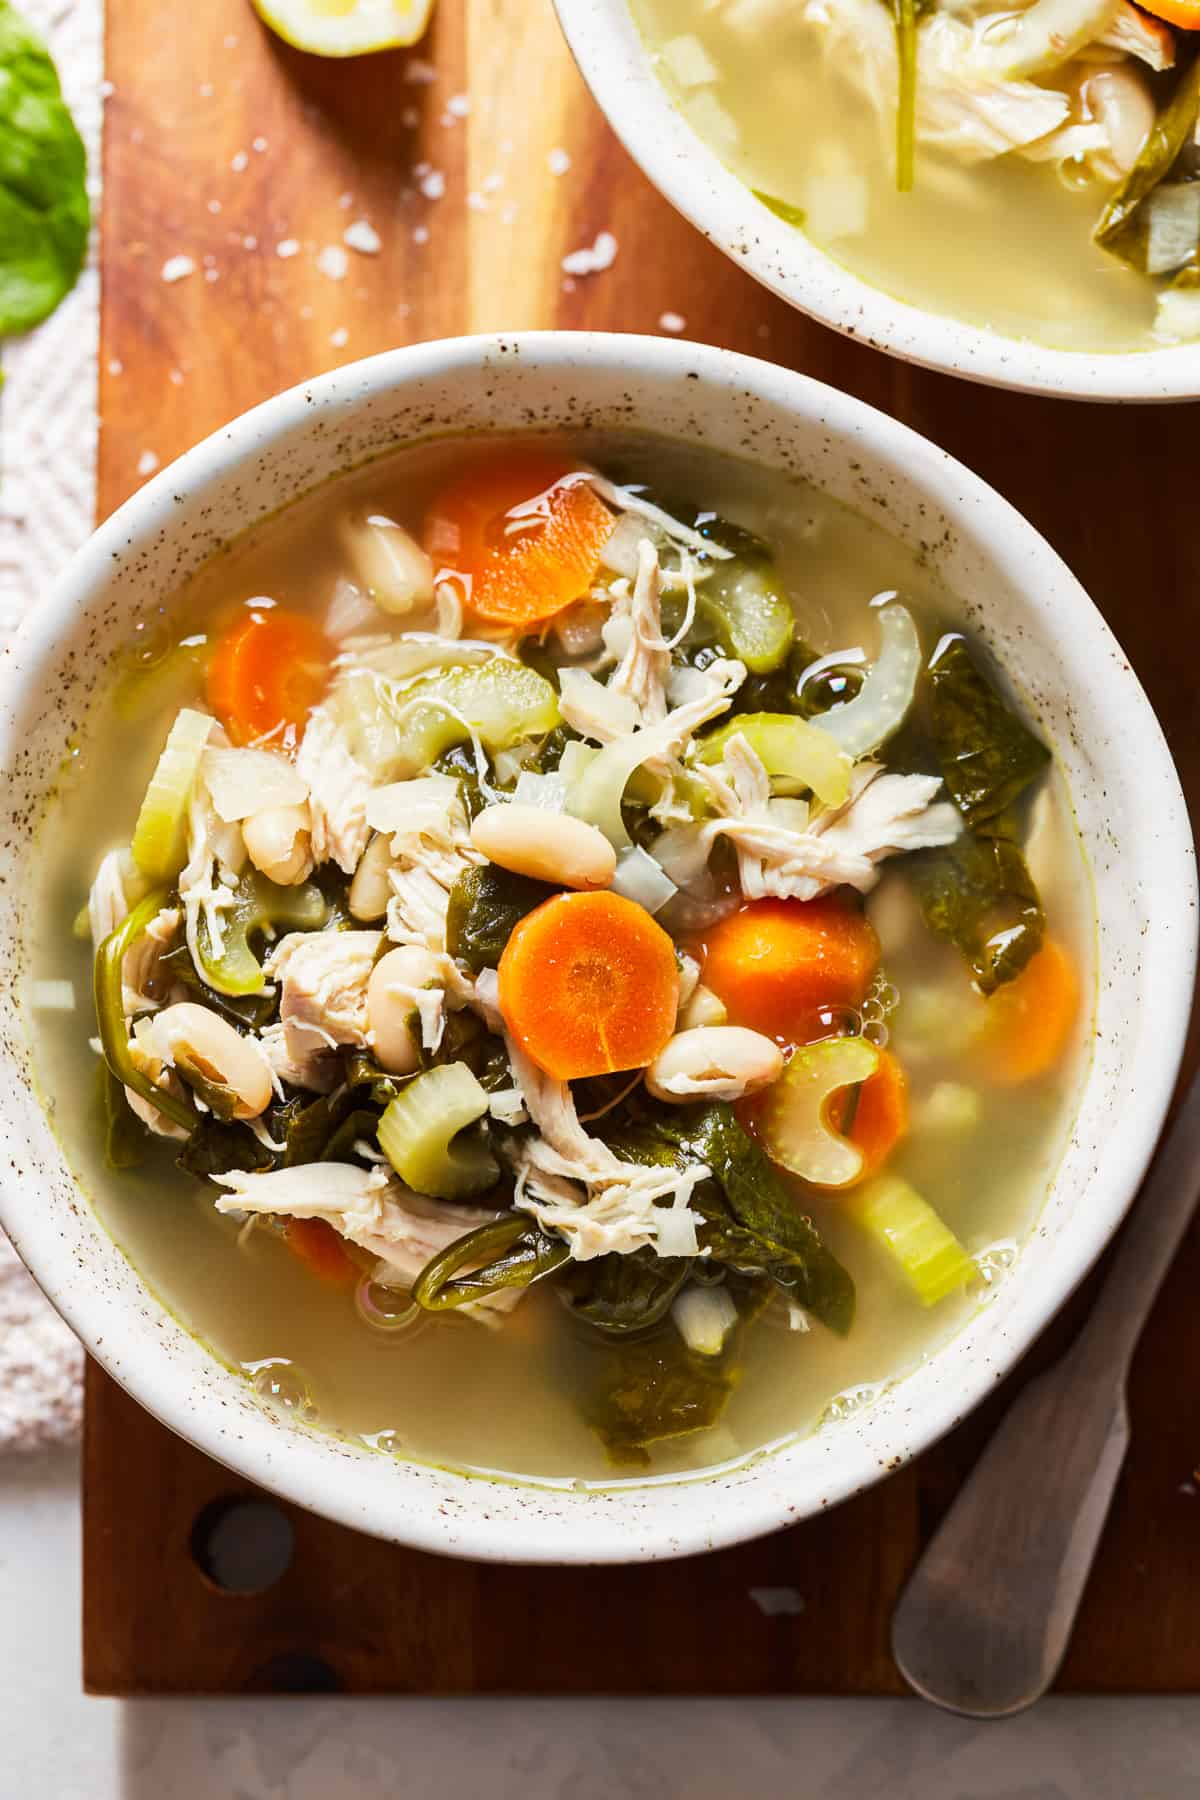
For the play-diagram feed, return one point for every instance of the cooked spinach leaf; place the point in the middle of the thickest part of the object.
(246, 1010)
(647, 1389)
(217, 1147)
(357, 1127)
(618, 1294)
(459, 762)
(44, 213)
(987, 756)
(485, 904)
(512, 1252)
(1124, 225)
(978, 894)
(760, 1225)
(373, 1086)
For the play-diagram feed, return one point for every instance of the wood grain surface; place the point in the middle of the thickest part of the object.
(221, 146)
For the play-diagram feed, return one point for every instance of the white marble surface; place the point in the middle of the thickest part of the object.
(55, 1744)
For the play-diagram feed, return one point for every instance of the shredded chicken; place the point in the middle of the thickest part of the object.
(371, 1208)
(108, 900)
(575, 1185)
(641, 674)
(427, 861)
(323, 979)
(1136, 33)
(338, 787)
(144, 986)
(787, 850)
(216, 857)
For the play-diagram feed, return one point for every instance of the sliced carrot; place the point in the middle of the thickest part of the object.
(321, 1250)
(522, 533)
(1029, 1019)
(779, 966)
(266, 675)
(1184, 13)
(878, 1113)
(589, 984)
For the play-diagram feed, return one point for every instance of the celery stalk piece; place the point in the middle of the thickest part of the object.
(416, 1134)
(258, 903)
(399, 730)
(160, 835)
(751, 613)
(794, 1127)
(787, 747)
(926, 1251)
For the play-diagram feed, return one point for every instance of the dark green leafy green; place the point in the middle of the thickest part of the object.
(987, 756)
(548, 755)
(650, 1388)
(44, 213)
(356, 1128)
(1123, 229)
(618, 1294)
(783, 209)
(485, 904)
(251, 1011)
(372, 1085)
(466, 1039)
(760, 1225)
(978, 894)
(459, 762)
(217, 1147)
(511, 1252)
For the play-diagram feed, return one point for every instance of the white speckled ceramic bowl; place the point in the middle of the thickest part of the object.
(616, 65)
(1023, 601)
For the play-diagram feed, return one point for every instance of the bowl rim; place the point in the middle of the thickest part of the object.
(616, 65)
(601, 1533)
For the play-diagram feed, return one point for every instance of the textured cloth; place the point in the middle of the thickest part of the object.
(47, 502)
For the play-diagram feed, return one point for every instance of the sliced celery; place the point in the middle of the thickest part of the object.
(931, 1258)
(795, 1131)
(417, 1134)
(258, 903)
(788, 748)
(503, 701)
(160, 835)
(752, 616)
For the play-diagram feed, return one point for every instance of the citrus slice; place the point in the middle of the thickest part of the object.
(345, 27)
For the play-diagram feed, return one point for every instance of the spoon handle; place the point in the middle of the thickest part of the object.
(984, 1622)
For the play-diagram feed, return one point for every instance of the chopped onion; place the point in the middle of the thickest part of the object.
(52, 996)
(704, 1317)
(835, 206)
(549, 792)
(641, 879)
(411, 806)
(620, 552)
(242, 782)
(1173, 211)
(1178, 318)
(881, 705)
(593, 709)
(688, 61)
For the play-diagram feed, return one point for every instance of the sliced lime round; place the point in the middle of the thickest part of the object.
(345, 27)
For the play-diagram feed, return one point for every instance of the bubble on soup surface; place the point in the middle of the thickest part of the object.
(851, 1401)
(283, 1386)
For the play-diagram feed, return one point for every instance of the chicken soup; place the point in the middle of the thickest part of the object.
(590, 963)
(1028, 168)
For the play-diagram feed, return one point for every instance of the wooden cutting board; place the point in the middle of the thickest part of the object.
(226, 148)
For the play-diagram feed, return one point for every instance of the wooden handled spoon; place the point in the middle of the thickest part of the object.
(984, 1622)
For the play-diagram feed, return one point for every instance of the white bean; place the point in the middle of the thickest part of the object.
(715, 1062)
(701, 1008)
(547, 846)
(371, 890)
(394, 981)
(194, 1039)
(389, 563)
(278, 843)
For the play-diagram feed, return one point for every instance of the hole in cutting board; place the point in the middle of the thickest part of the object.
(242, 1546)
